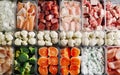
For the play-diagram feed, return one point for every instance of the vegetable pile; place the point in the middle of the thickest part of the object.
(70, 61)
(25, 60)
(112, 38)
(70, 16)
(24, 38)
(47, 38)
(93, 61)
(6, 60)
(6, 38)
(26, 15)
(70, 38)
(48, 61)
(48, 15)
(113, 60)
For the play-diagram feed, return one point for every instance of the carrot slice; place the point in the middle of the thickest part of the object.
(75, 52)
(64, 61)
(31, 23)
(43, 70)
(64, 70)
(65, 52)
(43, 61)
(111, 53)
(75, 61)
(53, 60)
(117, 55)
(52, 51)
(43, 51)
(74, 70)
(53, 69)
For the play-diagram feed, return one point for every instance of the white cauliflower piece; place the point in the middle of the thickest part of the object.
(85, 34)
(92, 35)
(71, 42)
(24, 33)
(117, 42)
(54, 34)
(41, 33)
(9, 37)
(85, 41)
(41, 42)
(31, 34)
(77, 42)
(55, 40)
(24, 43)
(109, 42)
(18, 42)
(117, 35)
(69, 34)
(100, 42)
(25, 39)
(101, 34)
(48, 43)
(62, 35)
(17, 34)
(47, 37)
(4, 42)
(110, 35)
(63, 42)
(39, 36)
(47, 32)
(2, 37)
(92, 42)
(32, 41)
(77, 34)
(9, 43)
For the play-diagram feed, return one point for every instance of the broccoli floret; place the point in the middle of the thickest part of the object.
(27, 67)
(17, 53)
(32, 50)
(17, 65)
(24, 50)
(22, 70)
(23, 57)
(32, 60)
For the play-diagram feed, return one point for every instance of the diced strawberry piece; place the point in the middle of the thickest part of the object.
(43, 20)
(48, 23)
(41, 15)
(41, 26)
(99, 21)
(108, 15)
(108, 5)
(54, 20)
(49, 17)
(47, 12)
(55, 26)
(114, 13)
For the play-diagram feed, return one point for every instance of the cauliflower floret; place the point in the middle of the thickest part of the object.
(85, 41)
(109, 42)
(47, 32)
(110, 35)
(25, 39)
(24, 43)
(100, 42)
(41, 33)
(41, 42)
(48, 43)
(54, 34)
(92, 35)
(39, 36)
(18, 42)
(4, 42)
(77, 34)
(62, 35)
(69, 34)
(9, 43)
(17, 34)
(31, 34)
(101, 34)
(71, 42)
(85, 34)
(55, 40)
(92, 42)
(47, 37)
(117, 42)
(64, 42)
(117, 35)
(24, 33)
(77, 42)
(9, 37)
(2, 37)
(32, 41)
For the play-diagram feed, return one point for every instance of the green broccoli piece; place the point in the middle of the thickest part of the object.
(27, 67)
(22, 70)
(32, 50)
(24, 50)
(17, 65)
(23, 57)
(32, 60)
(17, 53)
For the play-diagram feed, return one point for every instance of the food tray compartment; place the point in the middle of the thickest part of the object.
(70, 17)
(27, 22)
(25, 60)
(112, 14)
(48, 15)
(44, 53)
(87, 56)
(93, 15)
